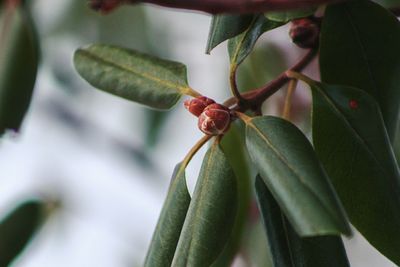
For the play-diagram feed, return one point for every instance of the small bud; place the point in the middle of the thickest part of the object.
(215, 120)
(304, 32)
(197, 105)
(105, 6)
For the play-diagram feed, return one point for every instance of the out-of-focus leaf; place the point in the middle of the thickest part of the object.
(211, 214)
(224, 27)
(352, 143)
(241, 46)
(19, 58)
(290, 168)
(358, 51)
(17, 229)
(155, 120)
(169, 226)
(135, 76)
(286, 16)
(287, 248)
(233, 145)
(265, 63)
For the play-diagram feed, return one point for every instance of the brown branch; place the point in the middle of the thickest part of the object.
(258, 96)
(235, 6)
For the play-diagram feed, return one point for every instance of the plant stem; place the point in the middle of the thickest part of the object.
(256, 97)
(236, 6)
(195, 149)
(243, 117)
(233, 84)
(288, 99)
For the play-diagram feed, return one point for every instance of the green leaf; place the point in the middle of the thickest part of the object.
(224, 27)
(290, 168)
(241, 46)
(233, 145)
(19, 59)
(17, 228)
(359, 47)
(170, 223)
(287, 247)
(288, 15)
(352, 143)
(211, 214)
(135, 76)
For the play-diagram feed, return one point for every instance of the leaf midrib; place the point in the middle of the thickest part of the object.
(283, 159)
(165, 83)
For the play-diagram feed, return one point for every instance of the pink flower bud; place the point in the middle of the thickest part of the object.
(197, 105)
(215, 120)
(304, 32)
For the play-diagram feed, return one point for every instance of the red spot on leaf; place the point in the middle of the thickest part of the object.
(353, 104)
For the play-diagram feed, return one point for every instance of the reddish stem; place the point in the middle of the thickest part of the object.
(258, 96)
(236, 6)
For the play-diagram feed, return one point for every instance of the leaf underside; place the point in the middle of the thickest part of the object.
(132, 75)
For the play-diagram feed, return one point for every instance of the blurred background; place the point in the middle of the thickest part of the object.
(108, 160)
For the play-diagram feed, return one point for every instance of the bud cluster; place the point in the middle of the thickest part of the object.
(214, 119)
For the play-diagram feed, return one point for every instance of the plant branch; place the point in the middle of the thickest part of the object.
(236, 6)
(258, 96)
(288, 99)
(194, 149)
(233, 84)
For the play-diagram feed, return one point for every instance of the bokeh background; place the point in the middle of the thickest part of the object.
(109, 160)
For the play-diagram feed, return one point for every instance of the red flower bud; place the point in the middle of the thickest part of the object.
(215, 120)
(197, 105)
(304, 32)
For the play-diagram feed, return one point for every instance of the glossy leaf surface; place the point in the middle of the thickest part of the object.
(17, 229)
(19, 59)
(351, 141)
(224, 27)
(287, 248)
(139, 77)
(286, 16)
(290, 168)
(211, 214)
(241, 46)
(360, 41)
(172, 217)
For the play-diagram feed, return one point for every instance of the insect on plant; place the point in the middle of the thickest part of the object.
(307, 192)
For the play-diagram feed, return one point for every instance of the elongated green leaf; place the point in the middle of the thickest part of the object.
(233, 145)
(169, 226)
(224, 27)
(132, 75)
(286, 16)
(240, 46)
(211, 214)
(17, 228)
(291, 170)
(19, 58)
(287, 248)
(351, 140)
(360, 41)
